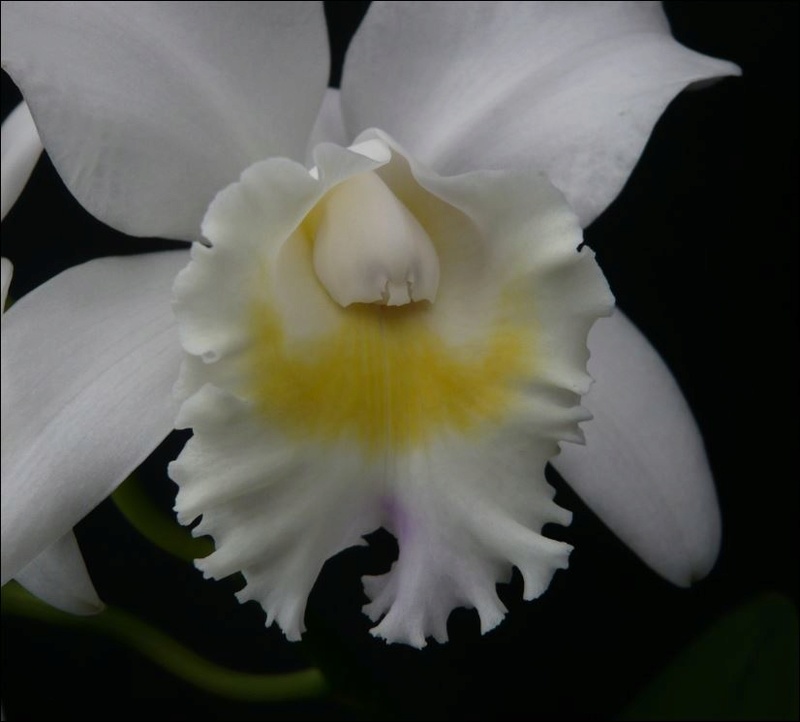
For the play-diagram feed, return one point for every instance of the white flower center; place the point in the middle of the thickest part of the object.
(369, 248)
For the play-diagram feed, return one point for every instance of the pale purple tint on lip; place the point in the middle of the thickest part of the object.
(398, 519)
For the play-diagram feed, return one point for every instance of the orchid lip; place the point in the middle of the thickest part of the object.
(395, 335)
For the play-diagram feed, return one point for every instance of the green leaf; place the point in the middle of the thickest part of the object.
(744, 667)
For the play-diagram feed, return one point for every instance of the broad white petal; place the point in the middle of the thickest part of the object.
(89, 361)
(21, 148)
(314, 423)
(571, 88)
(644, 469)
(147, 109)
(59, 577)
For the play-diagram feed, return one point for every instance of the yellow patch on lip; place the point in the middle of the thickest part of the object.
(383, 377)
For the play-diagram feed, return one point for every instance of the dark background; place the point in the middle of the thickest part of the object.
(701, 252)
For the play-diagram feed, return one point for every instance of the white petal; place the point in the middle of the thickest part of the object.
(571, 88)
(644, 469)
(6, 272)
(21, 148)
(59, 577)
(329, 126)
(147, 109)
(89, 360)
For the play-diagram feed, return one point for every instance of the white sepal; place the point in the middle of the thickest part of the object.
(644, 468)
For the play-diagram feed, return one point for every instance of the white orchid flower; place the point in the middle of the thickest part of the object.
(385, 320)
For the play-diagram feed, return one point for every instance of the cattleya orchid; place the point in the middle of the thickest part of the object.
(383, 318)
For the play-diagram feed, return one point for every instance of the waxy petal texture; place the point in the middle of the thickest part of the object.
(644, 469)
(314, 423)
(89, 361)
(464, 511)
(147, 109)
(277, 510)
(59, 577)
(329, 126)
(572, 89)
(21, 148)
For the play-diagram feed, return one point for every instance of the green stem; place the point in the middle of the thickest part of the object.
(156, 526)
(170, 655)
